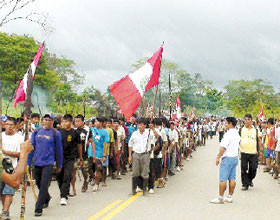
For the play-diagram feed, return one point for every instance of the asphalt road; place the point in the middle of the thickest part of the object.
(186, 196)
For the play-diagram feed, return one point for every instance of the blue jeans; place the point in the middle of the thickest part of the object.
(228, 169)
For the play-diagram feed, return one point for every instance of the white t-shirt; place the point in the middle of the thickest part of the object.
(121, 136)
(173, 136)
(12, 143)
(140, 142)
(231, 142)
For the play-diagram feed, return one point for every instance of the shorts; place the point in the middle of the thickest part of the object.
(7, 190)
(166, 161)
(270, 154)
(85, 166)
(106, 163)
(228, 169)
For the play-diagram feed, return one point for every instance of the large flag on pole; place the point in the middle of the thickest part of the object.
(129, 90)
(22, 88)
(178, 108)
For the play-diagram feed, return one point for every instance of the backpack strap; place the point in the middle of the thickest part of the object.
(35, 134)
(55, 144)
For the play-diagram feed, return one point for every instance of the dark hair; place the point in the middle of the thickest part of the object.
(270, 121)
(232, 120)
(81, 117)
(12, 119)
(134, 115)
(248, 116)
(141, 121)
(157, 121)
(100, 119)
(19, 120)
(68, 117)
(107, 119)
(35, 115)
(122, 119)
(116, 120)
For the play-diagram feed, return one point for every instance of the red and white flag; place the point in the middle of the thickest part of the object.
(22, 88)
(178, 108)
(129, 90)
(261, 116)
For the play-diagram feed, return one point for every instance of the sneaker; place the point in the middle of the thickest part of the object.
(63, 201)
(119, 177)
(251, 184)
(138, 189)
(178, 169)
(244, 188)
(5, 215)
(217, 201)
(228, 199)
(151, 191)
(95, 188)
(38, 213)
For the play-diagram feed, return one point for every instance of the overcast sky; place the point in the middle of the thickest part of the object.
(221, 39)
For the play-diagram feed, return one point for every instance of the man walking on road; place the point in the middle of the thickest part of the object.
(249, 152)
(229, 154)
(140, 144)
(72, 147)
(47, 145)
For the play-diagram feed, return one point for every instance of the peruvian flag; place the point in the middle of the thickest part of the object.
(129, 90)
(22, 88)
(261, 116)
(178, 108)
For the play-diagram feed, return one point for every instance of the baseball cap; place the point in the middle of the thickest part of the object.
(4, 118)
(49, 115)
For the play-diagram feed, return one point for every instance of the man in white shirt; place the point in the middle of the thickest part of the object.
(173, 138)
(140, 144)
(229, 154)
(11, 149)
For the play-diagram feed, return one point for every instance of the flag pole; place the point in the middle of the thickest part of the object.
(27, 113)
(170, 108)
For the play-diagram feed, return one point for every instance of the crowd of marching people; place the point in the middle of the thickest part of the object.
(107, 147)
(100, 148)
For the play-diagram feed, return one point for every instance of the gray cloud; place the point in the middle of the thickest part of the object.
(222, 40)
